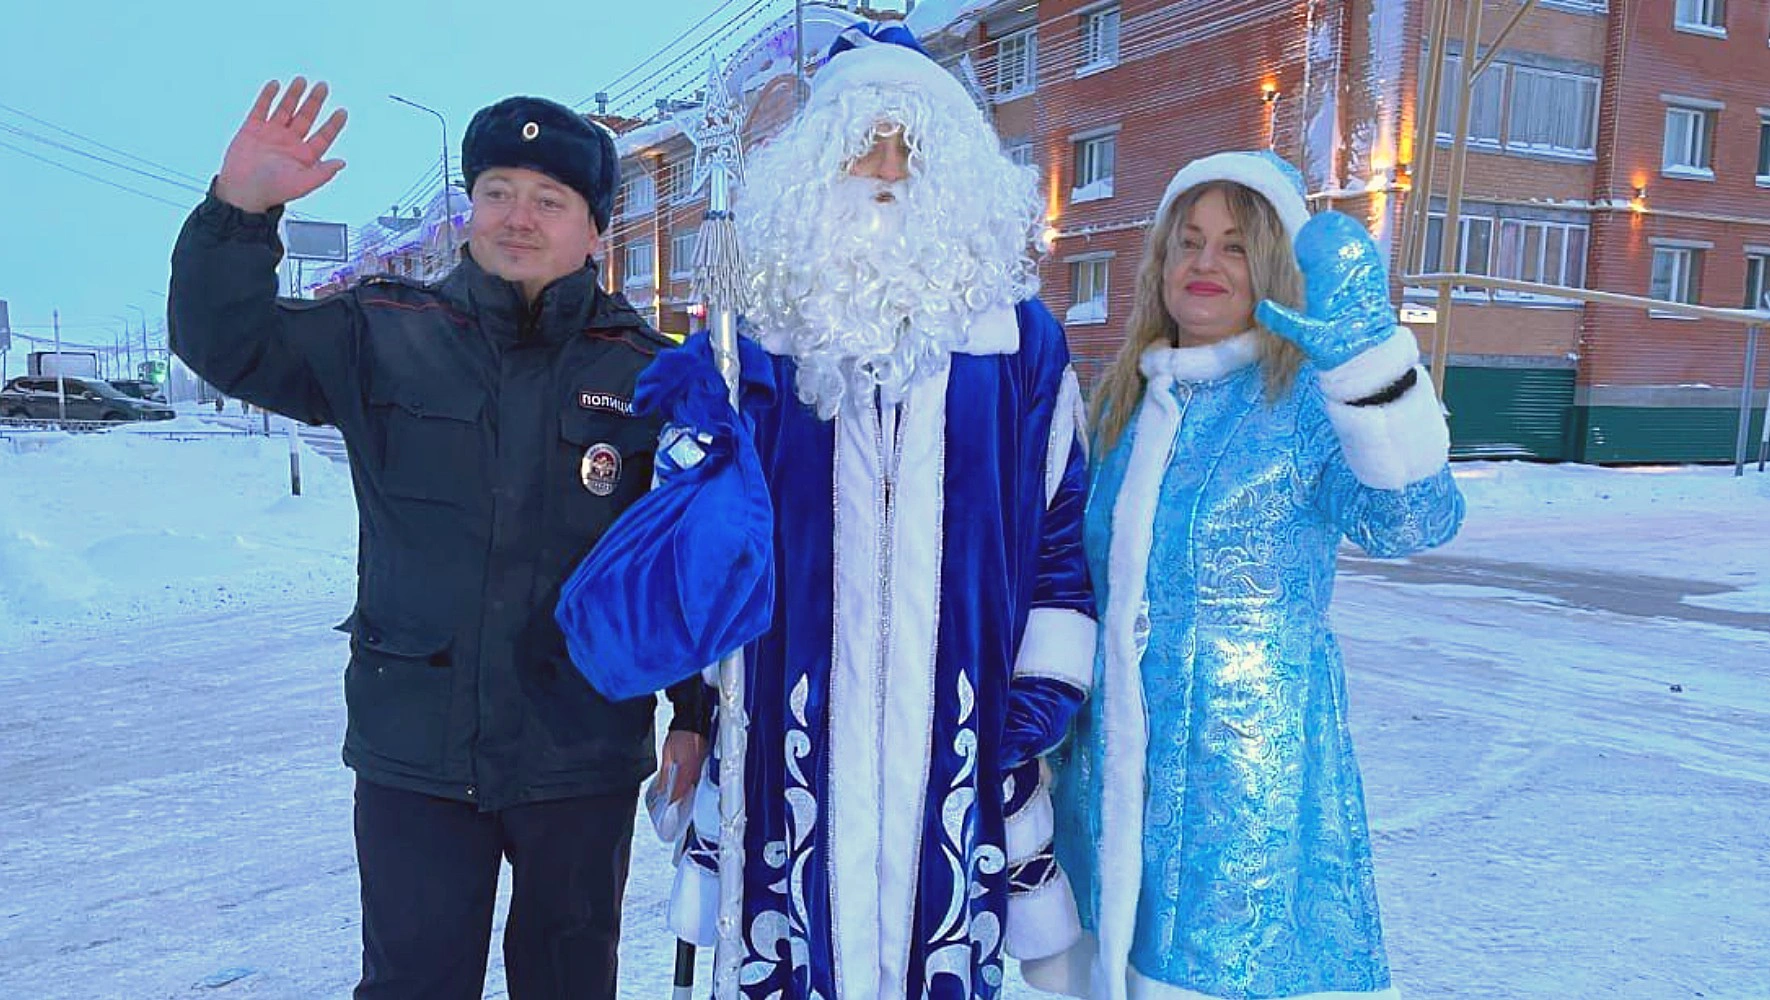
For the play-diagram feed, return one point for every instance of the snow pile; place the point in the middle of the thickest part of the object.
(101, 530)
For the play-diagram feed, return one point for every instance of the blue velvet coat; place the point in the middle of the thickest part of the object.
(927, 556)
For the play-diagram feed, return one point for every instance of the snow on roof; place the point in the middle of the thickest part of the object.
(933, 16)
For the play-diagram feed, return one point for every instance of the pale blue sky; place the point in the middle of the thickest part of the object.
(169, 82)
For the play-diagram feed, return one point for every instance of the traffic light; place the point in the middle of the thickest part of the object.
(154, 371)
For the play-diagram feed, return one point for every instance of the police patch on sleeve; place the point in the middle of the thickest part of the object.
(600, 470)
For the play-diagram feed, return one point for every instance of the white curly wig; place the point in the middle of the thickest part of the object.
(869, 297)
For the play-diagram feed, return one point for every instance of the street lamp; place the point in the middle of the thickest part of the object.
(448, 202)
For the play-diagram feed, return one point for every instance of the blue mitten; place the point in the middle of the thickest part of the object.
(1346, 293)
(1038, 717)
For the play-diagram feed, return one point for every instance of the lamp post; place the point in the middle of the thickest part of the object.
(448, 206)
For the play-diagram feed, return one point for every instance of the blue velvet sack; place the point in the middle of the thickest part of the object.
(686, 574)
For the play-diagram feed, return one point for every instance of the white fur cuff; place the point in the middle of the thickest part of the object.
(694, 904)
(1058, 644)
(1394, 444)
(1030, 830)
(1042, 922)
(1372, 370)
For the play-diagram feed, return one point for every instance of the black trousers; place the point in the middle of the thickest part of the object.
(429, 870)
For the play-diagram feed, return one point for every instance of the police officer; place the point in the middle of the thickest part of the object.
(489, 423)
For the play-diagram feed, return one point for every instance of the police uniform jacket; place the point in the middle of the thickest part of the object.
(491, 443)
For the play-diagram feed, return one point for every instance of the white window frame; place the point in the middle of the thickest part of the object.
(677, 174)
(1099, 31)
(1757, 273)
(1587, 91)
(1091, 273)
(1492, 78)
(682, 265)
(1020, 152)
(1095, 161)
(1700, 17)
(1695, 140)
(1685, 279)
(1465, 231)
(639, 194)
(1016, 65)
(638, 264)
(1763, 177)
(1568, 272)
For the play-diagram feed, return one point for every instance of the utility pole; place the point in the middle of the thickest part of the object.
(61, 387)
(448, 202)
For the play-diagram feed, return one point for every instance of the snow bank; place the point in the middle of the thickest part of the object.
(100, 530)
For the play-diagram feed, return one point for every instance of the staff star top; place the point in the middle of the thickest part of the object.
(715, 129)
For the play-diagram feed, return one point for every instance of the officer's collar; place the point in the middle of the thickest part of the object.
(568, 306)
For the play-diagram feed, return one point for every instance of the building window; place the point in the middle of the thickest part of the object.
(1093, 168)
(677, 174)
(1755, 268)
(1088, 287)
(1676, 273)
(639, 194)
(1485, 104)
(1100, 40)
(1474, 247)
(1707, 15)
(1553, 112)
(1764, 152)
(638, 270)
(1016, 65)
(1020, 152)
(1548, 253)
(682, 253)
(1689, 137)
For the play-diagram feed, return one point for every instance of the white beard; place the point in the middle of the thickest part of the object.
(867, 326)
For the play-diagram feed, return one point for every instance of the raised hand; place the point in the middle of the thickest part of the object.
(273, 159)
(1346, 293)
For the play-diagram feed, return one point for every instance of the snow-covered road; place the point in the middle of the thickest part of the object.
(1563, 718)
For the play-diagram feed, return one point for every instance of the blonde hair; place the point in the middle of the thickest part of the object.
(1272, 274)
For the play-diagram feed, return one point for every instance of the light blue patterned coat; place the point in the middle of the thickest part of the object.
(1210, 812)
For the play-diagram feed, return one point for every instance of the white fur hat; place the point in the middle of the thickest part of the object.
(1263, 171)
(886, 55)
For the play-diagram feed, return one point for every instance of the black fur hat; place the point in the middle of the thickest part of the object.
(540, 135)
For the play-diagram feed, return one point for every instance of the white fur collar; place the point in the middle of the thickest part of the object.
(995, 330)
(1203, 363)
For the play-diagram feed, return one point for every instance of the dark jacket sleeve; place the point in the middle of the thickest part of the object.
(225, 321)
(692, 704)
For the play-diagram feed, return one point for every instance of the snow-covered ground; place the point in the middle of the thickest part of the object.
(1563, 718)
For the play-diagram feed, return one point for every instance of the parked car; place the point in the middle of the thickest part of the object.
(87, 399)
(140, 388)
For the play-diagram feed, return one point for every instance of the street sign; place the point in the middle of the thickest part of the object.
(316, 240)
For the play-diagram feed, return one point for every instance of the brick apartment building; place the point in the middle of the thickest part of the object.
(1621, 146)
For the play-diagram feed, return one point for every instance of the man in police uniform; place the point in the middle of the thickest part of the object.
(489, 423)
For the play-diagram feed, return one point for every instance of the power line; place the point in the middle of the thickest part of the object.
(121, 152)
(182, 185)
(612, 84)
(181, 206)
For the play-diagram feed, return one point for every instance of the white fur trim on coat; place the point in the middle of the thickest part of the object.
(1394, 444)
(1202, 363)
(1058, 644)
(1247, 170)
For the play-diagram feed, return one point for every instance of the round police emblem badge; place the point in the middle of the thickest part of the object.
(601, 469)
